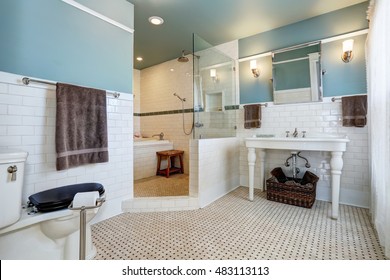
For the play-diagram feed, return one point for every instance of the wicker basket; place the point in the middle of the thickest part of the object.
(298, 192)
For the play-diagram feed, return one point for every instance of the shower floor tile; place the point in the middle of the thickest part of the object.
(157, 186)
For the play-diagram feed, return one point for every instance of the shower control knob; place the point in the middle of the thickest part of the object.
(12, 170)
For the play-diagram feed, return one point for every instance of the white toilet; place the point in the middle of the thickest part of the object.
(50, 233)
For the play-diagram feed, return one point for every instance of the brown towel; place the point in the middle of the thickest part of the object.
(81, 126)
(252, 116)
(354, 110)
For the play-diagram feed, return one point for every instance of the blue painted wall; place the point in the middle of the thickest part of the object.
(340, 78)
(52, 40)
(259, 89)
(344, 78)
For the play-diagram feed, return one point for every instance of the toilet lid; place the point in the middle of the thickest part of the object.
(62, 197)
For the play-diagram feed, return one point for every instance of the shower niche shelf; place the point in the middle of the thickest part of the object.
(214, 101)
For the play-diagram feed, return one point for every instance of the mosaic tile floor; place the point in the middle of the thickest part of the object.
(235, 228)
(156, 186)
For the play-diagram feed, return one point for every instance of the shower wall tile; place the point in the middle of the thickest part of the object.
(323, 117)
(160, 82)
(172, 127)
(27, 122)
(145, 159)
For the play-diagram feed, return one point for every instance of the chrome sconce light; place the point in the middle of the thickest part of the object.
(213, 75)
(347, 51)
(253, 67)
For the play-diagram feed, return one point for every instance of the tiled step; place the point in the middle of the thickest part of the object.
(160, 204)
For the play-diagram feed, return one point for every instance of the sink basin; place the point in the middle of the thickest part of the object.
(325, 136)
(313, 142)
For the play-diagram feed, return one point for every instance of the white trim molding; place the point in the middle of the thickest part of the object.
(98, 15)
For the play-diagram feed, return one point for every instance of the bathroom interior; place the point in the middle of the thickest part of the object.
(193, 102)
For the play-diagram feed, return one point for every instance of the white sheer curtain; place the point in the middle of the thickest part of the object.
(378, 79)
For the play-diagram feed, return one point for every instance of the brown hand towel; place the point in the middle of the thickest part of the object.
(354, 110)
(252, 116)
(81, 126)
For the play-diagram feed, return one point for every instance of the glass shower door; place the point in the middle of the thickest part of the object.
(214, 87)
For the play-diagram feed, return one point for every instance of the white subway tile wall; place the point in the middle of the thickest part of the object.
(214, 168)
(145, 159)
(160, 82)
(171, 126)
(27, 123)
(157, 86)
(323, 117)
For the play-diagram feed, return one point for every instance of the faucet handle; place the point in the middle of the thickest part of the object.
(303, 134)
(295, 133)
(287, 132)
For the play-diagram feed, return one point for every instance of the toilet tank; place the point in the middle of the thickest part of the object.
(12, 164)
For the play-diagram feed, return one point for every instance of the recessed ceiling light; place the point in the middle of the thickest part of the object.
(156, 20)
(139, 58)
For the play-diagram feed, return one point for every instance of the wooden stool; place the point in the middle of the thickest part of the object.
(170, 156)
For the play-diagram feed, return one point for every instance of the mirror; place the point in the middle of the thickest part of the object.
(296, 74)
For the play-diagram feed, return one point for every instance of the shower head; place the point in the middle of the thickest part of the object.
(181, 99)
(183, 58)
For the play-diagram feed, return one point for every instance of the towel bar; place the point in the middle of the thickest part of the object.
(26, 81)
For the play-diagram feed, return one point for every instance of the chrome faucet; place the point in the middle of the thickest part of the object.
(295, 133)
(161, 136)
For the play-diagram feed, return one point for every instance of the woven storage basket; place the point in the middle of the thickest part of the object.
(293, 191)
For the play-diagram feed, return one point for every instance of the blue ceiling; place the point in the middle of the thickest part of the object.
(216, 21)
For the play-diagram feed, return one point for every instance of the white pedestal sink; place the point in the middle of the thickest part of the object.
(334, 144)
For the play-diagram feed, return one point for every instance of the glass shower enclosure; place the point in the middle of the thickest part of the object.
(214, 91)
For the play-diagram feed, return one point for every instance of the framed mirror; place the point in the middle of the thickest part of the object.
(296, 74)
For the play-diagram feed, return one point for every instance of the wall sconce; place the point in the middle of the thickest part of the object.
(253, 66)
(213, 75)
(347, 50)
